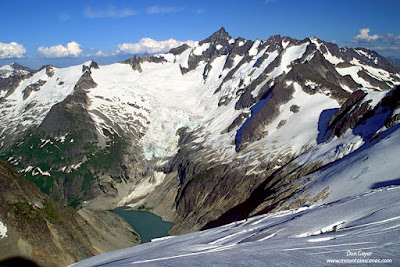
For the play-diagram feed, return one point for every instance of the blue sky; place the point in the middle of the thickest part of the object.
(40, 31)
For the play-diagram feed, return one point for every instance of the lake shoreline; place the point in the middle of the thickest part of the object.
(147, 224)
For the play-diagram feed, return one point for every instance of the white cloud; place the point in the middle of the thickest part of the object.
(163, 10)
(12, 50)
(364, 36)
(150, 46)
(64, 17)
(384, 42)
(72, 49)
(100, 54)
(110, 12)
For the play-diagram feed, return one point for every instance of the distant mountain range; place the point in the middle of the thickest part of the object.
(37, 63)
(202, 135)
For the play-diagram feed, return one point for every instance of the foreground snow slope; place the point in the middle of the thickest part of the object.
(368, 223)
(350, 225)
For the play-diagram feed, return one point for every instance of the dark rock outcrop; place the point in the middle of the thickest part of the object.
(49, 70)
(135, 61)
(355, 116)
(71, 114)
(179, 50)
(278, 95)
(374, 82)
(341, 121)
(33, 87)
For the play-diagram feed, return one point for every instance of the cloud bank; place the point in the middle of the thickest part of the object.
(110, 12)
(11, 50)
(148, 45)
(72, 49)
(385, 42)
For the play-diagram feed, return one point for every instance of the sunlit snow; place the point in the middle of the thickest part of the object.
(3, 230)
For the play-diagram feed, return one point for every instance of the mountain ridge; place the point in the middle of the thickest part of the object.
(202, 126)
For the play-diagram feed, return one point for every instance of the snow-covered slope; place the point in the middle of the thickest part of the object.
(205, 134)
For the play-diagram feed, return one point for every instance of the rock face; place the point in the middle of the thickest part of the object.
(205, 134)
(51, 234)
(358, 110)
(71, 120)
(135, 61)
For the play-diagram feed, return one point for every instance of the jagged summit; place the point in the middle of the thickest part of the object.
(219, 37)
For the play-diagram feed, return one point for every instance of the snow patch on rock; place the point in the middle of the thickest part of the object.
(3, 230)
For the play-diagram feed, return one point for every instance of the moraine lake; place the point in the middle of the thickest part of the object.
(146, 224)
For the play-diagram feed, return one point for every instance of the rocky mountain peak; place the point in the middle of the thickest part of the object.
(219, 37)
(221, 32)
(274, 39)
(87, 68)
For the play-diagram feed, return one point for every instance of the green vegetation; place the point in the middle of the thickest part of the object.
(45, 183)
(203, 175)
(26, 211)
(90, 147)
(56, 156)
(74, 202)
(50, 212)
(95, 136)
(35, 214)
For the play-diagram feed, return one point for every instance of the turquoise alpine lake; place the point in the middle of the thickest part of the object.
(146, 224)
